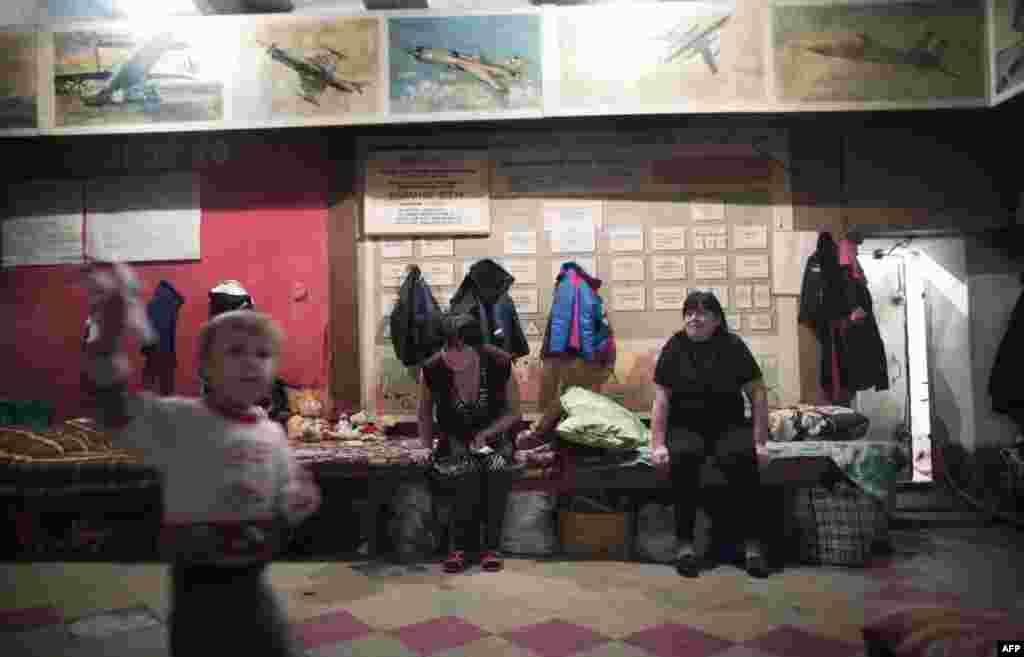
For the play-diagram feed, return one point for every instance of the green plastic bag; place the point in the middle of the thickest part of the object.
(597, 421)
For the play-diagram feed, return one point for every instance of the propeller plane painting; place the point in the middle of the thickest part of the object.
(928, 51)
(309, 67)
(107, 77)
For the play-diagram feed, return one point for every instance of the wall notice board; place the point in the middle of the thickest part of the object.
(649, 248)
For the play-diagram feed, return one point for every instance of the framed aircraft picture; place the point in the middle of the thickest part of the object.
(310, 67)
(653, 56)
(1008, 46)
(928, 52)
(170, 71)
(18, 86)
(480, 64)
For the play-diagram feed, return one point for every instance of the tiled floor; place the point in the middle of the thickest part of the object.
(534, 608)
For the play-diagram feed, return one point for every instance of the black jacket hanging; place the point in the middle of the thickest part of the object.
(484, 294)
(415, 321)
(1004, 380)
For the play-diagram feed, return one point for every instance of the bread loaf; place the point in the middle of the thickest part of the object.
(26, 443)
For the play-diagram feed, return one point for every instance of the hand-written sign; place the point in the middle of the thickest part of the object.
(410, 193)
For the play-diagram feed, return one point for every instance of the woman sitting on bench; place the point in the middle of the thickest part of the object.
(699, 412)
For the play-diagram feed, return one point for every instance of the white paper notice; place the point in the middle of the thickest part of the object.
(524, 271)
(762, 296)
(526, 300)
(391, 274)
(522, 242)
(438, 273)
(625, 238)
(743, 296)
(669, 298)
(396, 249)
(708, 211)
(42, 240)
(572, 238)
(143, 218)
(557, 213)
(752, 266)
(710, 267)
(759, 322)
(587, 264)
(668, 267)
(421, 192)
(708, 238)
(437, 248)
(750, 237)
(628, 298)
(668, 238)
(627, 269)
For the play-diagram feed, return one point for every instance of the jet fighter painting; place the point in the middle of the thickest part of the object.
(497, 76)
(316, 72)
(896, 52)
(688, 39)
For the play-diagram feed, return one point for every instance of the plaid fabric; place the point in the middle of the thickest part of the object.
(837, 526)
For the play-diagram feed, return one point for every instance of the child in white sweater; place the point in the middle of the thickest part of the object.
(230, 484)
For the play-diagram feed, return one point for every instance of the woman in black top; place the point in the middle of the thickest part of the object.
(699, 412)
(476, 400)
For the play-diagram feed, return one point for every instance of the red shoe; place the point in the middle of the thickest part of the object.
(491, 562)
(456, 562)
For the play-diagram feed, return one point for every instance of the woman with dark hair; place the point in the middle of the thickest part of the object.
(471, 390)
(698, 412)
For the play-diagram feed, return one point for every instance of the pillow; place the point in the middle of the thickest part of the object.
(936, 631)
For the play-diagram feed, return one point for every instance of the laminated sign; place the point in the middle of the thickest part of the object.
(427, 193)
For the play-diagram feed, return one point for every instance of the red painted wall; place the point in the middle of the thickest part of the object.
(264, 223)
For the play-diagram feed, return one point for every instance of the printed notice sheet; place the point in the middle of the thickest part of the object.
(762, 296)
(523, 270)
(708, 238)
(437, 248)
(143, 218)
(750, 237)
(526, 300)
(391, 274)
(710, 267)
(521, 242)
(709, 211)
(627, 269)
(669, 298)
(668, 267)
(751, 266)
(438, 273)
(743, 296)
(759, 322)
(628, 298)
(396, 249)
(668, 238)
(626, 238)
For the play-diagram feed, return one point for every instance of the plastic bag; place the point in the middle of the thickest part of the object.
(412, 526)
(656, 533)
(530, 524)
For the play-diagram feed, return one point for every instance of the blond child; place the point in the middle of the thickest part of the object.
(230, 484)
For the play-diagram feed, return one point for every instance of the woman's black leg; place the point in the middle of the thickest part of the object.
(467, 511)
(496, 484)
(737, 459)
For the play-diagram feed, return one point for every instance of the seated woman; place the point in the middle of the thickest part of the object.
(699, 412)
(476, 400)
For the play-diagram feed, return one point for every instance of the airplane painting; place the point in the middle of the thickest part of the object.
(898, 52)
(465, 63)
(316, 72)
(1008, 16)
(652, 57)
(308, 67)
(688, 40)
(17, 79)
(497, 76)
(130, 78)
